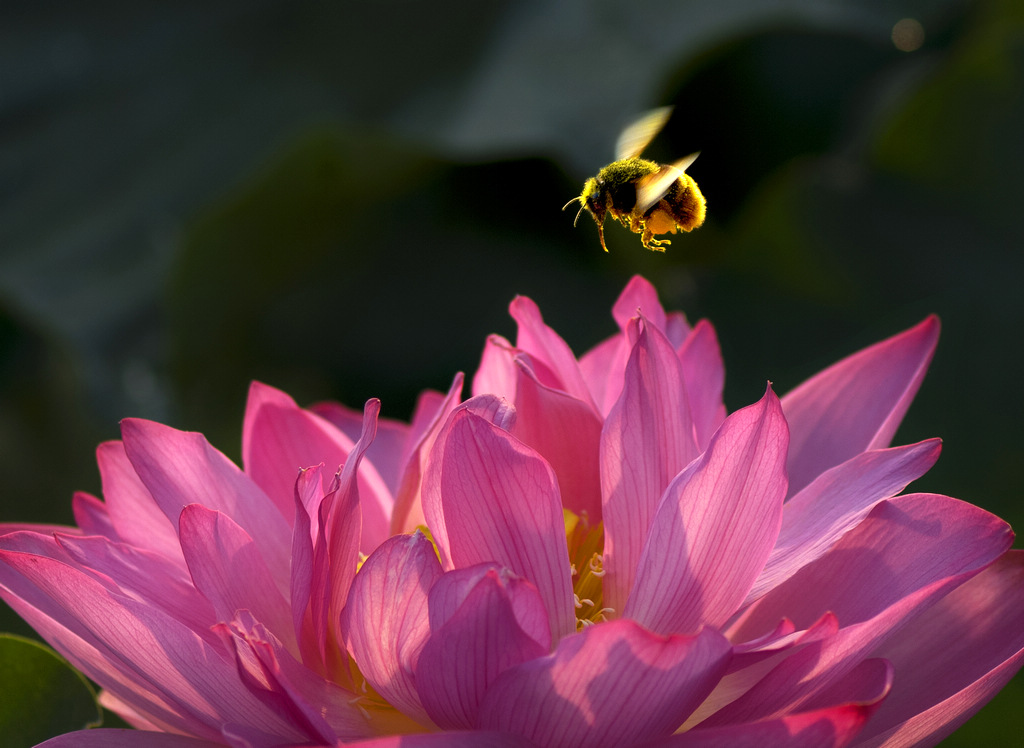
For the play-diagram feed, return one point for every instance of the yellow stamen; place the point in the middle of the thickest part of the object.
(585, 546)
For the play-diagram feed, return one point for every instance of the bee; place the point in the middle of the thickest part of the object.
(646, 197)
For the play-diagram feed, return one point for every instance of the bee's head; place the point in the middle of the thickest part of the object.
(592, 199)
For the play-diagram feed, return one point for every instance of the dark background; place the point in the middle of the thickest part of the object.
(340, 199)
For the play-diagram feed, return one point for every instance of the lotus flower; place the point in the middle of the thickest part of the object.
(585, 552)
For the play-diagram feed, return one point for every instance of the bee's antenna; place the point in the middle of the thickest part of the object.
(582, 206)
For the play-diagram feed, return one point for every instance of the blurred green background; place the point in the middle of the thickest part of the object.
(340, 199)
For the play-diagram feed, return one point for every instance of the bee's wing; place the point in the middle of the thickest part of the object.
(652, 188)
(637, 135)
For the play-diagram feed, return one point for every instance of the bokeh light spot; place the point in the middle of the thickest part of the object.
(908, 34)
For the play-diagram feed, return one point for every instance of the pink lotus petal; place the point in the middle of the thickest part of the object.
(90, 514)
(336, 551)
(952, 660)
(385, 454)
(715, 526)
(814, 519)
(150, 661)
(500, 503)
(903, 545)
(123, 570)
(430, 416)
(753, 660)
(38, 544)
(180, 468)
(566, 432)
(614, 684)
(143, 575)
(118, 738)
(138, 519)
(429, 407)
(602, 368)
(648, 438)
(385, 622)
(866, 682)
(321, 709)
(280, 438)
(914, 550)
(491, 408)
(448, 596)
(473, 641)
(640, 297)
(704, 374)
(308, 492)
(497, 373)
(677, 328)
(545, 346)
(456, 739)
(113, 704)
(229, 571)
(857, 404)
(833, 727)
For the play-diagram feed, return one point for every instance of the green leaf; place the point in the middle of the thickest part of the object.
(43, 695)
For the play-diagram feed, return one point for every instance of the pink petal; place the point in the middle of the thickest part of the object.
(566, 432)
(545, 346)
(906, 556)
(497, 372)
(143, 575)
(903, 545)
(463, 739)
(181, 468)
(640, 297)
(676, 329)
(228, 569)
(308, 492)
(603, 367)
(113, 704)
(429, 405)
(430, 416)
(613, 684)
(648, 438)
(336, 552)
(319, 708)
(478, 640)
(814, 519)
(117, 738)
(833, 727)
(138, 519)
(704, 374)
(491, 408)
(751, 661)
(385, 622)
(952, 660)
(448, 596)
(91, 516)
(856, 404)
(715, 526)
(280, 438)
(385, 454)
(150, 661)
(500, 503)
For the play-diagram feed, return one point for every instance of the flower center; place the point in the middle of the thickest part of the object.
(586, 544)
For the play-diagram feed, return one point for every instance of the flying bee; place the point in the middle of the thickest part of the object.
(646, 197)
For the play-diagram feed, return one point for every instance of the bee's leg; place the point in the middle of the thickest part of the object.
(655, 245)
